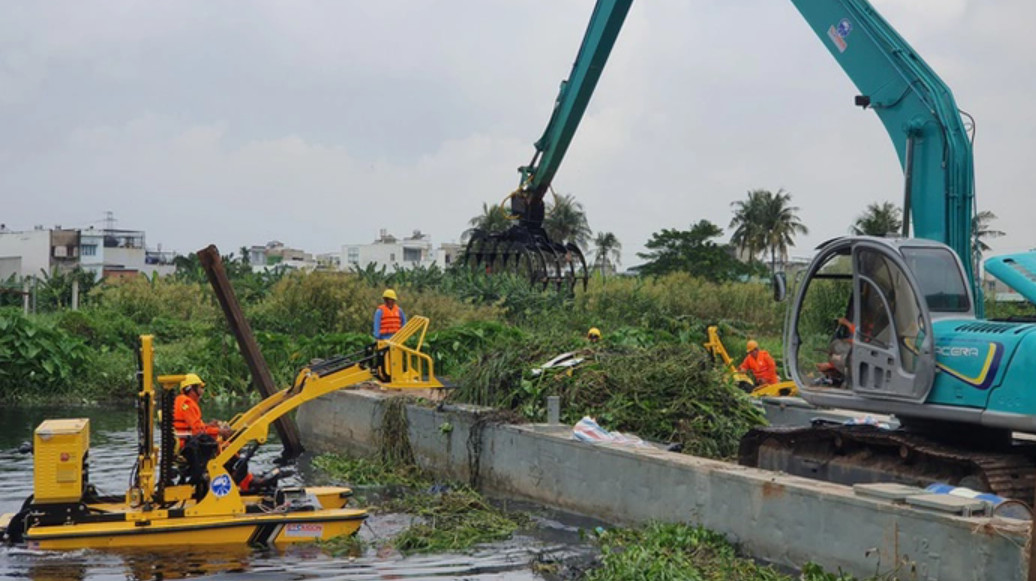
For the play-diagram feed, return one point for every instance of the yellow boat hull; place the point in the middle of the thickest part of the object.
(116, 525)
(246, 529)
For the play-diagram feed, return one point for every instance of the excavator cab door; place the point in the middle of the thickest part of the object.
(857, 326)
(892, 355)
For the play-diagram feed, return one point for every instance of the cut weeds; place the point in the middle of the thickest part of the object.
(448, 518)
(670, 552)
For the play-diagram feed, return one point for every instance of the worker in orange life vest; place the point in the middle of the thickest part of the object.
(388, 318)
(760, 363)
(187, 423)
(187, 420)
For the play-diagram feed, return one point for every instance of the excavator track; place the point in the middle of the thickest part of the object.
(864, 453)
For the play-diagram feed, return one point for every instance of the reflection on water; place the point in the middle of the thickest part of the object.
(112, 449)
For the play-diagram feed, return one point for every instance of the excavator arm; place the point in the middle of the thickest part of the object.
(919, 113)
(525, 248)
(917, 109)
(393, 362)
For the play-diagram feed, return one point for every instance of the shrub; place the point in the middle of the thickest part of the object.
(38, 360)
(142, 299)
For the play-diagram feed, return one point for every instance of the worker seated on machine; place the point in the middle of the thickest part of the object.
(197, 442)
(760, 363)
(835, 370)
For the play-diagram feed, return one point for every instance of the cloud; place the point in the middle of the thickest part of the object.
(319, 123)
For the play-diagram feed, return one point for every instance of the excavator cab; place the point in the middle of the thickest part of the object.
(860, 325)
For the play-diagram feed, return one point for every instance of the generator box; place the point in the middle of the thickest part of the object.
(59, 460)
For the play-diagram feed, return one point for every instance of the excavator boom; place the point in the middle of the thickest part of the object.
(525, 248)
(919, 113)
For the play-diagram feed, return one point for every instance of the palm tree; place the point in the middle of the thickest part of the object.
(607, 249)
(747, 224)
(981, 230)
(783, 224)
(765, 221)
(493, 220)
(883, 220)
(566, 222)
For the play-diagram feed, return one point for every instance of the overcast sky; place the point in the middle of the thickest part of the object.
(319, 123)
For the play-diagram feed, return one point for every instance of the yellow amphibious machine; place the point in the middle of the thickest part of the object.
(716, 349)
(171, 504)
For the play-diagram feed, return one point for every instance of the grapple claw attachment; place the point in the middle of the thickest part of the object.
(528, 253)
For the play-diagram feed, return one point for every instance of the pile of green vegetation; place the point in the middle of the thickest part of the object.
(665, 392)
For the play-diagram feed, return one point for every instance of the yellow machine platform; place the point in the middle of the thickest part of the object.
(196, 501)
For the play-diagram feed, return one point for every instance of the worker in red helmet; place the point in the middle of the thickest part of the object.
(388, 318)
(760, 363)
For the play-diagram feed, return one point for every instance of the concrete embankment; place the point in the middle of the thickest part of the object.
(778, 518)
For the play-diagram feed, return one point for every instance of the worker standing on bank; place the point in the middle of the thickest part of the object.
(388, 318)
(593, 335)
(760, 363)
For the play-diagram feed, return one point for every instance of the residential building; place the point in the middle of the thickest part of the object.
(395, 253)
(276, 255)
(106, 252)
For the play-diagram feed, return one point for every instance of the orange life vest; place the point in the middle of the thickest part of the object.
(187, 420)
(390, 320)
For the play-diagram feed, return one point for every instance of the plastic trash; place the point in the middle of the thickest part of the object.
(588, 430)
(868, 421)
(563, 361)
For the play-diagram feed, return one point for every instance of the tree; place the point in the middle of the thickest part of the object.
(493, 220)
(783, 224)
(885, 220)
(748, 224)
(981, 230)
(766, 221)
(607, 249)
(566, 222)
(691, 251)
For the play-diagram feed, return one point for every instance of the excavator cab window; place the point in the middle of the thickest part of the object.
(940, 278)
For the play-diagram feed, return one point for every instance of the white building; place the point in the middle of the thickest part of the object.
(275, 255)
(394, 253)
(390, 252)
(105, 252)
(24, 253)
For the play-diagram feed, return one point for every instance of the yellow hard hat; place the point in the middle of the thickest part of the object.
(594, 332)
(752, 344)
(190, 380)
(389, 294)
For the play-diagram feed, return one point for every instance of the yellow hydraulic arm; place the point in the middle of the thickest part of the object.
(390, 361)
(715, 347)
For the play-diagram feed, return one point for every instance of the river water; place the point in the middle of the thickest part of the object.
(554, 537)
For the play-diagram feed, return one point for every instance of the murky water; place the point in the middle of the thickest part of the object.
(555, 537)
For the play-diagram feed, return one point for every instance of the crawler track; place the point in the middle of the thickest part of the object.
(853, 454)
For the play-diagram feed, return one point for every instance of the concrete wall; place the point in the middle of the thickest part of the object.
(777, 518)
